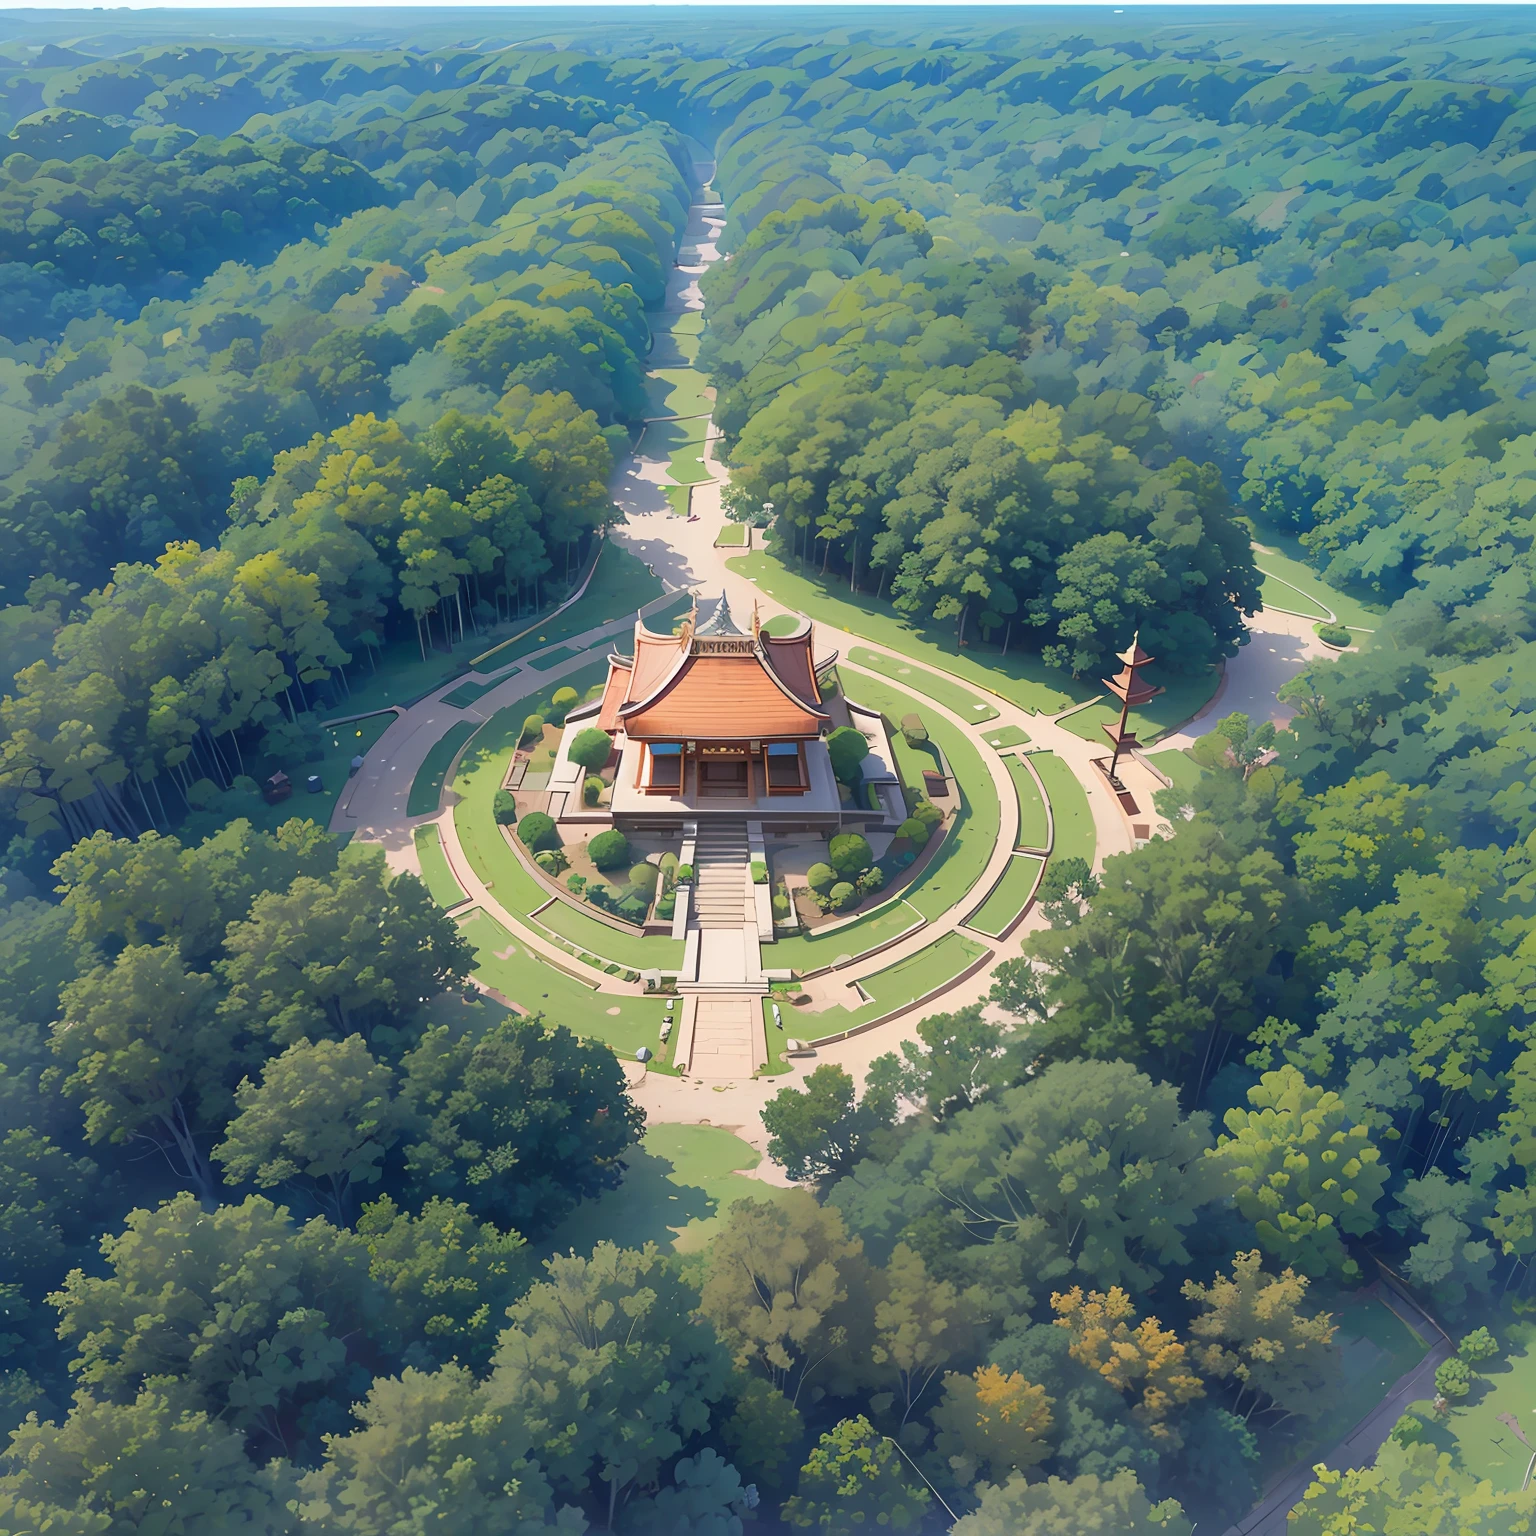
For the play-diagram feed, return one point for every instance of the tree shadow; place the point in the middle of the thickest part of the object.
(648, 1207)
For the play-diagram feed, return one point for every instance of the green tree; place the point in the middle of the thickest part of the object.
(1090, 1168)
(121, 1466)
(324, 1112)
(820, 1131)
(610, 1371)
(991, 1424)
(1252, 1329)
(1302, 1172)
(1416, 1486)
(327, 956)
(763, 1429)
(608, 850)
(450, 1277)
(1164, 959)
(235, 1313)
(150, 1055)
(954, 1062)
(1086, 1506)
(788, 1291)
(1361, 835)
(521, 1124)
(855, 1478)
(430, 1453)
(922, 1325)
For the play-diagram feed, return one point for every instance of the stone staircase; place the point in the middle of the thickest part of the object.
(720, 875)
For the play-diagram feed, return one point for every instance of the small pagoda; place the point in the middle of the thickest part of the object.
(1133, 691)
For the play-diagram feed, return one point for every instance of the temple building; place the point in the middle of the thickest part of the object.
(715, 720)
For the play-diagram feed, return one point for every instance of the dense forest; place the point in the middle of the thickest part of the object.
(314, 349)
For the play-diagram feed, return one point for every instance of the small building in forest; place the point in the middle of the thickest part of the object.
(717, 720)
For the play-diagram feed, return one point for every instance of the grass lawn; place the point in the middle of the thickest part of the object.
(1179, 766)
(803, 952)
(1034, 825)
(435, 873)
(679, 1181)
(1281, 556)
(1008, 736)
(996, 914)
(427, 787)
(973, 832)
(1281, 594)
(732, 536)
(673, 349)
(552, 659)
(342, 744)
(638, 951)
(1020, 676)
(677, 392)
(661, 439)
(679, 498)
(619, 585)
(951, 695)
(1075, 835)
(1488, 1449)
(894, 987)
(525, 978)
(471, 692)
(687, 466)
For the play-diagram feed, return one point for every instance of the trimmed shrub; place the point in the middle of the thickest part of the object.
(591, 749)
(591, 790)
(533, 728)
(600, 896)
(552, 861)
(850, 853)
(821, 878)
(1335, 635)
(1479, 1345)
(780, 906)
(871, 880)
(841, 895)
(759, 872)
(576, 884)
(667, 905)
(916, 832)
(914, 730)
(504, 808)
(928, 813)
(1453, 1378)
(644, 878)
(537, 830)
(847, 749)
(609, 849)
(564, 699)
(634, 908)
(684, 874)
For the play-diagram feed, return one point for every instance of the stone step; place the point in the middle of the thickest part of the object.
(727, 1035)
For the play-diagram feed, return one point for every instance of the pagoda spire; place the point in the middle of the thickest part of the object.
(1132, 690)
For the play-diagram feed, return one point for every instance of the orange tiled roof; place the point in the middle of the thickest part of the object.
(715, 696)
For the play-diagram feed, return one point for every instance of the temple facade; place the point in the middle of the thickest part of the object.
(716, 720)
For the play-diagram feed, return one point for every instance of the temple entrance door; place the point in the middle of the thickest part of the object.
(724, 773)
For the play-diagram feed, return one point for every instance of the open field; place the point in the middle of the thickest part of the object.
(1034, 824)
(427, 787)
(950, 694)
